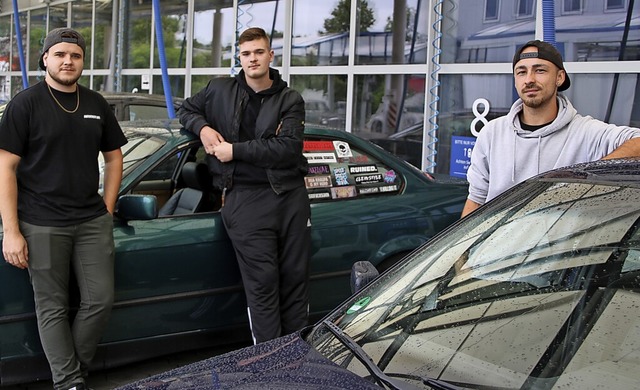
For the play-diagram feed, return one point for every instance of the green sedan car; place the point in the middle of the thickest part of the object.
(178, 286)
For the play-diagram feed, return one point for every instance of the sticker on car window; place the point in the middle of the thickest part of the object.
(314, 158)
(342, 178)
(343, 150)
(319, 195)
(319, 169)
(390, 177)
(369, 179)
(323, 181)
(356, 169)
(343, 192)
(368, 190)
(313, 146)
(389, 188)
(359, 304)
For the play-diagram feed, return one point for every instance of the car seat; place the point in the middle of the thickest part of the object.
(194, 196)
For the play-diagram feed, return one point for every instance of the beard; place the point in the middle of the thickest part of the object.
(65, 81)
(541, 99)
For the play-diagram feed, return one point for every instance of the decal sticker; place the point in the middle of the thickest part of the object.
(343, 192)
(342, 179)
(359, 304)
(319, 195)
(319, 170)
(343, 150)
(314, 158)
(390, 177)
(369, 179)
(388, 188)
(314, 146)
(317, 181)
(355, 169)
(368, 190)
(361, 159)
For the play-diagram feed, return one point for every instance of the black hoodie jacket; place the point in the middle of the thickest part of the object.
(279, 129)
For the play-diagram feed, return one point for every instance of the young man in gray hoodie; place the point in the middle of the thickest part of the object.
(542, 131)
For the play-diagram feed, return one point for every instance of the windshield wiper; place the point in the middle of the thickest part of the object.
(365, 359)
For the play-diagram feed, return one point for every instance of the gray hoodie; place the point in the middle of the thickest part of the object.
(505, 155)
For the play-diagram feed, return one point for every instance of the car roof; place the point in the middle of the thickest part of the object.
(140, 97)
(171, 128)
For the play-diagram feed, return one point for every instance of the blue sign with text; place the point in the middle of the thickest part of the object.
(461, 148)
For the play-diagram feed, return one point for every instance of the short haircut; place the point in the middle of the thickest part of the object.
(253, 33)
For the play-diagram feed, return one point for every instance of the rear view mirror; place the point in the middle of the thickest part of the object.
(140, 207)
(362, 273)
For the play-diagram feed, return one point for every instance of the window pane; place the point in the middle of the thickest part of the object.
(318, 37)
(58, 16)
(491, 10)
(392, 32)
(325, 99)
(572, 6)
(174, 23)
(81, 21)
(459, 95)
(136, 35)
(36, 37)
(615, 4)
(470, 40)
(213, 35)
(176, 84)
(525, 7)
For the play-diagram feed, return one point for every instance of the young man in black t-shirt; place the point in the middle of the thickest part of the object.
(53, 216)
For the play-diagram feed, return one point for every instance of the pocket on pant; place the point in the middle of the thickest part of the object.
(39, 244)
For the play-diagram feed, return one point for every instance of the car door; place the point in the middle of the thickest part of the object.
(365, 206)
(177, 273)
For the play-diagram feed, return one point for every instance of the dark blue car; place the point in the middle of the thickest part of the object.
(538, 289)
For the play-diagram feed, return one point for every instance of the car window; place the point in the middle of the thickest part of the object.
(165, 179)
(139, 112)
(337, 170)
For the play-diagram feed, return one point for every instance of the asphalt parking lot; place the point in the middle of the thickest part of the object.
(113, 378)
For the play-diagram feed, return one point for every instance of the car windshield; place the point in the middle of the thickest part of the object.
(541, 292)
(139, 146)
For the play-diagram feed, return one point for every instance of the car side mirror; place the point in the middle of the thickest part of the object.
(362, 273)
(140, 207)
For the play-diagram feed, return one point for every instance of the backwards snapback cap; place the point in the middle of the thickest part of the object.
(59, 35)
(546, 51)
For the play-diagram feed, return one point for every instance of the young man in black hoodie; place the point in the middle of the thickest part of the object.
(252, 129)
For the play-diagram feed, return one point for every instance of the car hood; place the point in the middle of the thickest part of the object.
(284, 363)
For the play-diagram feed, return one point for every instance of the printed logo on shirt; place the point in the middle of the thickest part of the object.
(88, 116)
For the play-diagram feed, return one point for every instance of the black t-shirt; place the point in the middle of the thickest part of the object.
(247, 174)
(58, 174)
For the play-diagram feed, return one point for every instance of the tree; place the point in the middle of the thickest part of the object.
(339, 22)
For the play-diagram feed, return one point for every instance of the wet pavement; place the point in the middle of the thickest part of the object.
(115, 377)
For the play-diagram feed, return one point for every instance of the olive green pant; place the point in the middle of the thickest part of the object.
(87, 249)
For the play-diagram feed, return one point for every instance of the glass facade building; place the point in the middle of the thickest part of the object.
(419, 77)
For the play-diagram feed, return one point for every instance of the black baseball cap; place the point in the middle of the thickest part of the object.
(546, 51)
(59, 35)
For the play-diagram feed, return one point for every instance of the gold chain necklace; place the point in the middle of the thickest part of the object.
(64, 109)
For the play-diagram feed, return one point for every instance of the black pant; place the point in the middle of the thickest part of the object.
(271, 235)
